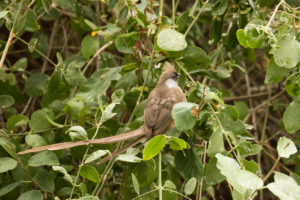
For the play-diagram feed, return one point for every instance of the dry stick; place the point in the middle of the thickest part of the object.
(96, 54)
(11, 36)
(244, 97)
(53, 33)
(263, 104)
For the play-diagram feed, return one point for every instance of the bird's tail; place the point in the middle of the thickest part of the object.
(107, 140)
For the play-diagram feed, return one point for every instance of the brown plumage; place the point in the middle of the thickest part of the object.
(157, 114)
(159, 105)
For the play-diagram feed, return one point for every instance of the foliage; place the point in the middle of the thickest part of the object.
(75, 70)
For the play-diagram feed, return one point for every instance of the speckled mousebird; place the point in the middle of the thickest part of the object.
(157, 113)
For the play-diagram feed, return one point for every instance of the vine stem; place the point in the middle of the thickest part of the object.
(83, 159)
(199, 192)
(11, 35)
(225, 134)
(274, 12)
(195, 19)
(38, 51)
(161, 6)
(160, 188)
(173, 12)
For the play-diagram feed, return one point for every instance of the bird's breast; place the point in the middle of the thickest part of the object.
(170, 83)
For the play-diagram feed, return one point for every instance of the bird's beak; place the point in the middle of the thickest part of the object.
(178, 74)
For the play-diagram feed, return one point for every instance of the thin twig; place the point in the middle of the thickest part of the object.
(53, 33)
(274, 12)
(11, 35)
(195, 19)
(96, 54)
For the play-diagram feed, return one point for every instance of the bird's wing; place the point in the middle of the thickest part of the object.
(158, 111)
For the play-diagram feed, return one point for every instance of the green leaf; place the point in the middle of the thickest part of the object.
(96, 155)
(74, 76)
(212, 173)
(240, 34)
(89, 173)
(107, 113)
(32, 195)
(215, 33)
(154, 146)
(117, 96)
(250, 166)
(64, 172)
(123, 13)
(219, 7)
(291, 117)
(20, 65)
(3, 13)
(284, 187)
(7, 164)
(188, 164)
(89, 46)
(275, 73)
(287, 52)
(286, 147)
(32, 44)
(196, 55)
(167, 195)
(77, 133)
(38, 121)
(73, 107)
(16, 121)
(216, 143)
(190, 186)
(182, 114)
(43, 158)
(6, 101)
(248, 149)
(35, 140)
(37, 84)
(254, 38)
(44, 180)
(182, 20)
(129, 158)
(171, 40)
(98, 84)
(135, 183)
(177, 143)
(8, 188)
(58, 88)
(242, 180)
(125, 42)
(292, 85)
(31, 23)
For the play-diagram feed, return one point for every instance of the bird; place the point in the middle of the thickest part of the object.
(157, 114)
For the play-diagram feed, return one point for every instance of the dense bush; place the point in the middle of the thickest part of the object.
(75, 70)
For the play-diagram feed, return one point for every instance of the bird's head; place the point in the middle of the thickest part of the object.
(169, 75)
